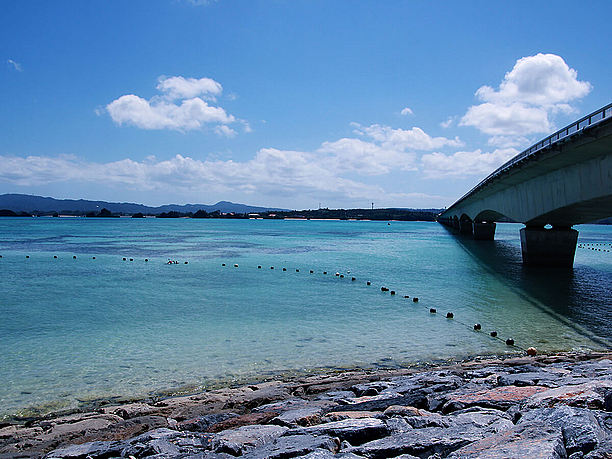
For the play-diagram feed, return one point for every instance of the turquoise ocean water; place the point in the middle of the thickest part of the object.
(73, 331)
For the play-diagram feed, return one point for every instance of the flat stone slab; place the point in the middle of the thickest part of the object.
(501, 397)
(94, 449)
(355, 431)
(305, 416)
(590, 395)
(381, 403)
(294, 446)
(533, 441)
(243, 439)
(418, 442)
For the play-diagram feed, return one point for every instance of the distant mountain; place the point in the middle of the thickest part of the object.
(31, 204)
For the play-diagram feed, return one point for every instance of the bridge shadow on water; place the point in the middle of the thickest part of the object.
(581, 296)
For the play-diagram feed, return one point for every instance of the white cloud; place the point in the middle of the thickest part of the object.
(365, 158)
(407, 111)
(15, 65)
(537, 87)
(329, 173)
(448, 123)
(503, 141)
(186, 88)
(224, 130)
(405, 139)
(464, 163)
(178, 108)
(543, 79)
(247, 127)
(512, 119)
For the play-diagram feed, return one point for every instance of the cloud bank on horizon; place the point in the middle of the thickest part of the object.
(525, 103)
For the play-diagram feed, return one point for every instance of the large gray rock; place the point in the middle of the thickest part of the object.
(418, 400)
(355, 431)
(433, 420)
(533, 441)
(94, 449)
(324, 454)
(167, 442)
(203, 423)
(593, 368)
(462, 429)
(589, 395)
(417, 442)
(243, 439)
(540, 378)
(306, 416)
(581, 430)
(488, 419)
(372, 388)
(501, 398)
(294, 446)
(339, 396)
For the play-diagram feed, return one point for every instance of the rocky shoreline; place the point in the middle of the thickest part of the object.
(550, 406)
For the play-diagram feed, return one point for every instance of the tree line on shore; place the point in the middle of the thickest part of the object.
(316, 214)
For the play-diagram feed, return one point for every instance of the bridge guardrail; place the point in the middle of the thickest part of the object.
(568, 131)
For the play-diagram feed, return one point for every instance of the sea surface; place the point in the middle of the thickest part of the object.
(75, 330)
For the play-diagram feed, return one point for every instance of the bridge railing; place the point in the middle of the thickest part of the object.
(562, 134)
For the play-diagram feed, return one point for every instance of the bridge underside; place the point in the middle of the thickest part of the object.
(561, 186)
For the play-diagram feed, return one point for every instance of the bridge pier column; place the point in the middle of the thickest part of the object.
(465, 227)
(553, 247)
(484, 231)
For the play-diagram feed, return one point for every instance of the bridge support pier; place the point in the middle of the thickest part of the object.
(552, 247)
(484, 231)
(465, 227)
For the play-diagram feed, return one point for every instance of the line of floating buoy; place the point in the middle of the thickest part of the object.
(449, 315)
(74, 257)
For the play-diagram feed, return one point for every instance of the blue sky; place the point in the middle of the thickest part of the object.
(287, 103)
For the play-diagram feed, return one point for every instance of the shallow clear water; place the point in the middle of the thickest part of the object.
(76, 330)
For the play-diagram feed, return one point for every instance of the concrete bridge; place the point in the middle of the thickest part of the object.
(561, 181)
